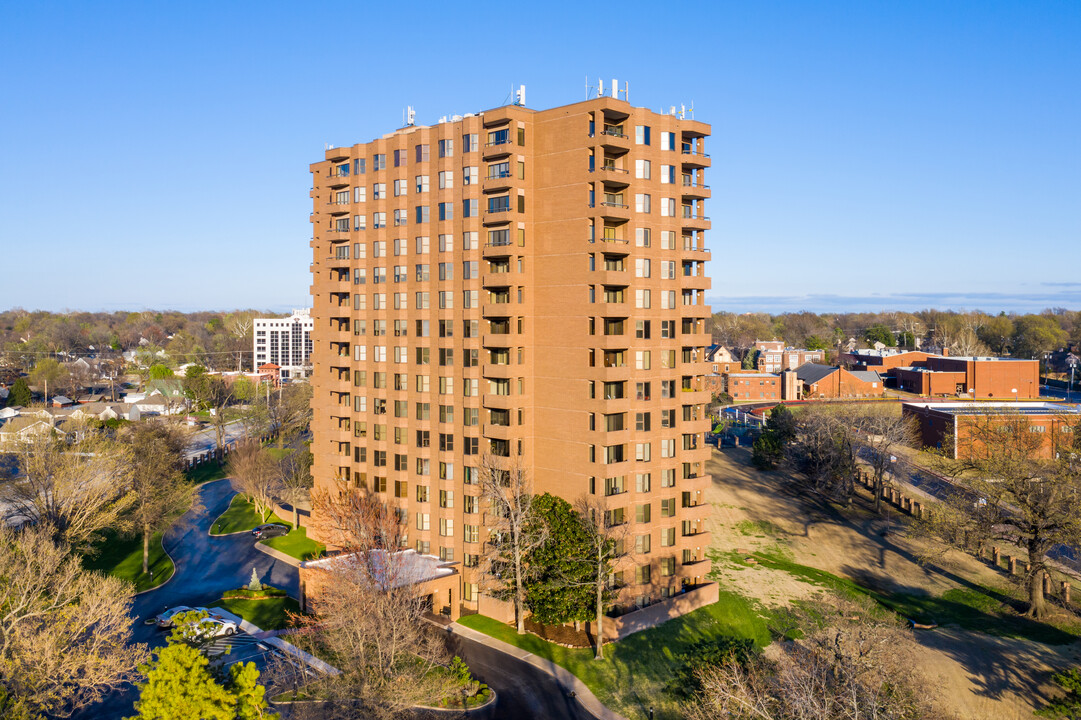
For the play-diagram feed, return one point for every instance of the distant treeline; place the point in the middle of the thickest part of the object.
(962, 333)
(220, 340)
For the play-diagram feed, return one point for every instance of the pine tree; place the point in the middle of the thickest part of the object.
(254, 585)
(179, 687)
(20, 394)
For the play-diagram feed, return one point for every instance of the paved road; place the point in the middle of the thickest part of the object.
(207, 566)
(207, 440)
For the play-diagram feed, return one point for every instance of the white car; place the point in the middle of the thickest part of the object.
(165, 620)
(214, 627)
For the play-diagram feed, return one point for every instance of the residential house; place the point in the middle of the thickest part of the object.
(828, 382)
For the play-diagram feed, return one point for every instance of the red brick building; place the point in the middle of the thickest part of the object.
(955, 426)
(826, 382)
(775, 357)
(749, 385)
(931, 375)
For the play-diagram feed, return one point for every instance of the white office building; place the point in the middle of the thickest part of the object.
(286, 342)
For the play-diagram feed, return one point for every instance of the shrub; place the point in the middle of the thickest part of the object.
(685, 683)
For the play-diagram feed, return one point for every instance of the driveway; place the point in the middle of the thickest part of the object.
(207, 566)
(207, 440)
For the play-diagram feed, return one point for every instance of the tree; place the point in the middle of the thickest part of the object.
(1034, 335)
(814, 342)
(49, 373)
(606, 544)
(295, 479)
(65, 632)
(20, 394)
(558, 586)
(161, 493)
(255, 474)
(1006, 490)
(368, 609)
(211, 393)
(880, 333)
(824, 450)
(160, 372)
(749, 359)
(179, 686)
(882, 432)
(76, 490)
(852, 663)
(513, 530)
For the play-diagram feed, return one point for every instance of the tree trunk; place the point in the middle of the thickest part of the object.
(599, 634)
(519, 611)
(1037, 606)
(146, 549)
(878, 493)
(296, 515)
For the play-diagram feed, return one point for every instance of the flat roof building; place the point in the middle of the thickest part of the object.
(285, 342)
(956, 427)
(528, 285)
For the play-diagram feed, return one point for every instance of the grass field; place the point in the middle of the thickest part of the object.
(204, 473)
(631, 677)
(297, 544)
(269, 614)
(240, 516)
(122, 557)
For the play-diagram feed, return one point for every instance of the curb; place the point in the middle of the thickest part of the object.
(161, 542)
(569, 680)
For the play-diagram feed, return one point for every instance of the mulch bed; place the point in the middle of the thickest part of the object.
(561, 634)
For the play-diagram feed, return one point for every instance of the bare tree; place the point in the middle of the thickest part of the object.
(161, 493)
(76, 489)
(881, 432)
(295, 476)
(255, 474)
(210, 393)
(825, 450)
(606, 544)
(64, 632)
(853, 663)
(1010, 486)
(368, 608)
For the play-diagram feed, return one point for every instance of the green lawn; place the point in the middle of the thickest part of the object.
(980, 609)
(631, 677)
(122, 557)
(269, 614)
(212, 470)
(277, 454)
(297, 544)
(240, 516)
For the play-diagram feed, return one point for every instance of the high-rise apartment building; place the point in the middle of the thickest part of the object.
(286, 342)
(530, 285)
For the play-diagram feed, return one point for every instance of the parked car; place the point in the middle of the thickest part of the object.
(270, 530)
(165, 620)
(215, 627)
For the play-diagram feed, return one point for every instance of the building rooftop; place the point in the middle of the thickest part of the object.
(999, 408)
(396, 569)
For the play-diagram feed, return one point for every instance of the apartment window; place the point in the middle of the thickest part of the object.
(642, 202)
(379, 161)
(641, 422)
(668, 141)
(423, 214)
(423, 521)
(668, 537)
(642, 513)
(470, 175)
(668, 207)
(643, 452)
(422, 183)
(472, 446)
(641, 237)
(400, 188)
(446, 243)
(641, 267)
(446, 413)
(422, 245)
(446, 179)
(668, 448)
(359, 166)
(422, 153)
(642, 298)
(379, 220)
(642, 359)
(471, 533)
(642, 482)
(470, 208)
(641, 169)
(499, 137)
(642, 576)
(401, 157)
(668, 508)
(668, 174)
(641, 134)
(469, 240)
(446, 211)
(446, 148)
(642, 544)
(424, 547)
(470, 142)
(401, 488)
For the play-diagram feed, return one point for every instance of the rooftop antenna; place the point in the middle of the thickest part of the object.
(589, 89)
(519, 97)
(600, 87)
(409, 116)
(682, 110)
(627, 91)
(692, 109)
(672, 110)
(615, 88)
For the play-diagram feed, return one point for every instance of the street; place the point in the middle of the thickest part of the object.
(207, 566)
(207, 440)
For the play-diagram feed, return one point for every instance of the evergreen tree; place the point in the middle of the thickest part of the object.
(20, 394)
(559, 591)
(179, 687)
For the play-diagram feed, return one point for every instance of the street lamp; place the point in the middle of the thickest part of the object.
(1072, 362)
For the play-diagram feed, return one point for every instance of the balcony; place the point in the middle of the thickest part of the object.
(496, 340)
(695, 282)
(498, 402)
(496, 182)
(497, 250)
(497, 216)
(695, 159)
(695, 190)
(497, 149)
(338, 208)
(497, 372)
(614, 177)
(614, 140)
(695, 222)
(337, 181)
(615, 211)
(497, 432)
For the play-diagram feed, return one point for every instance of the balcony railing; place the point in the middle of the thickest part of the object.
(615, 205)
(613, 132)
(499, 175)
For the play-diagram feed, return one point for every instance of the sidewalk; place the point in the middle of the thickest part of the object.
(566, 678)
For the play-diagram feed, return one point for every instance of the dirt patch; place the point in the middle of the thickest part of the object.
(982, 676)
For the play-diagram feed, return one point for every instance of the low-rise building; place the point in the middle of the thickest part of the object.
(774, 356)
(746, 385)
(956, 427)
(828, 382)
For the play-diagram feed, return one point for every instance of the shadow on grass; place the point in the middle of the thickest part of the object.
(213, 470)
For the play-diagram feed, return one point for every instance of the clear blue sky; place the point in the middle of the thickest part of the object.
(865, 154)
